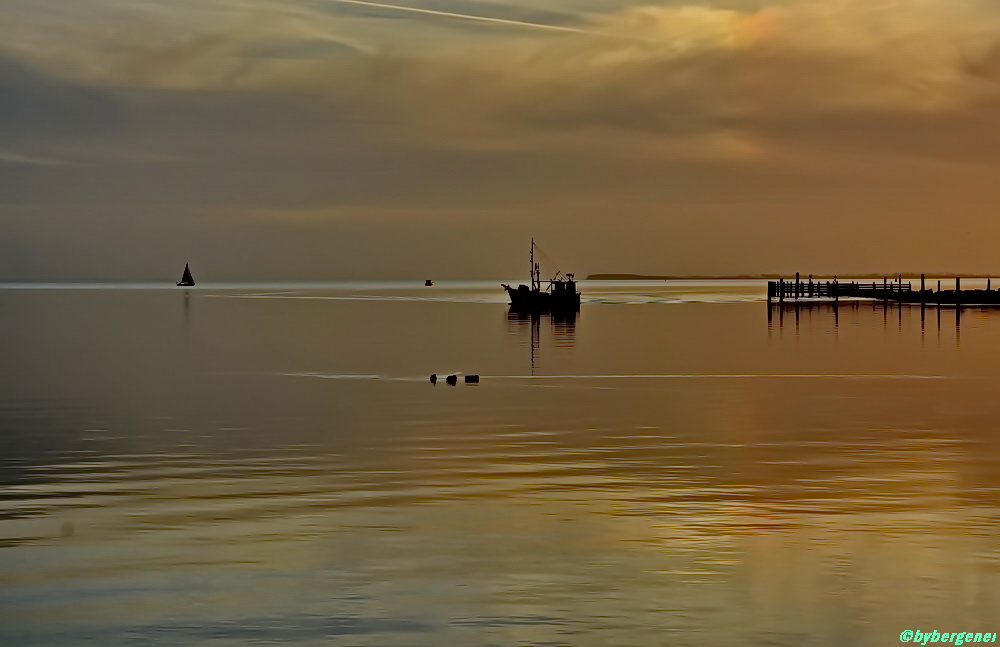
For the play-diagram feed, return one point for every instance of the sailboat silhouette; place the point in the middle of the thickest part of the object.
(186, 279)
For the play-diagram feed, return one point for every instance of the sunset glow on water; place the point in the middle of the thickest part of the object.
(256, 466)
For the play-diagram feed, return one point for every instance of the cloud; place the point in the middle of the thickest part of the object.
(699, 67)
(10, 157)
(728, 82)
(309, 128)
(33, 102)
(666, 68)
(248, 46)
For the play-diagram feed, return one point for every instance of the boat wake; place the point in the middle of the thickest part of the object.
(660, 376)
(360, 297)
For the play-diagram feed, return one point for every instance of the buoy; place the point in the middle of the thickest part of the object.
(451, 380)
(434, 378)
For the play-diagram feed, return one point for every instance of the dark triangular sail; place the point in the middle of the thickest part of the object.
(186, 279)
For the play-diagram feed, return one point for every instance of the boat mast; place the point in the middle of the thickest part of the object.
(535, 283)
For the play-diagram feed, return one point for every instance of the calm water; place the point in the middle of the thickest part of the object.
(249, 465)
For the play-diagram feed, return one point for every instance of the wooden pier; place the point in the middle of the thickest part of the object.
(895, 290)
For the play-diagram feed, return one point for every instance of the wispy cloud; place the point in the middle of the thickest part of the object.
(11, 157)
(663, 66)
(689, 65)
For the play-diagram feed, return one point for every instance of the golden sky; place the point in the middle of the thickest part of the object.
(344, 139)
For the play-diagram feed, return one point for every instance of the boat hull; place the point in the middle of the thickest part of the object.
(524, 299)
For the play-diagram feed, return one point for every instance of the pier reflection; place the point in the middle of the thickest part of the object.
(795, 313)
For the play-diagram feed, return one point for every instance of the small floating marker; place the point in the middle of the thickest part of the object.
(472, 379)
(428, 283)
(434, 378)
(452, 380)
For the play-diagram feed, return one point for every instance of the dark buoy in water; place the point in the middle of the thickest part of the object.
(428, 283)
(452, 380)
(434, 378)
(472, 379)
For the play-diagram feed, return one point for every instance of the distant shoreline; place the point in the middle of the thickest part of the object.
(761, 277)
(652, 277)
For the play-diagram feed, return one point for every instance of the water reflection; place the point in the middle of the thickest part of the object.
(561, 325)
(795, 312)
(681, 476)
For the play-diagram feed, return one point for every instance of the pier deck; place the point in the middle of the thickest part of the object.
(887, 290)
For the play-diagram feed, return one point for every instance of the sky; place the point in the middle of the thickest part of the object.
(347, 139)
